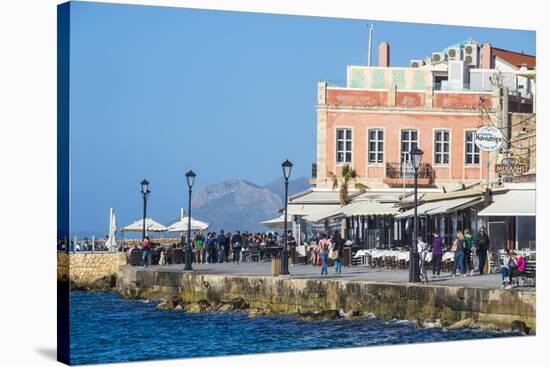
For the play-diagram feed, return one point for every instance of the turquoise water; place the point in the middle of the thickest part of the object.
(107, 328)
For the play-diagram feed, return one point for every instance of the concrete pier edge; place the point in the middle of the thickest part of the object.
(290, 295)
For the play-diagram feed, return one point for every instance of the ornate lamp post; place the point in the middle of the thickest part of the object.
(287, 168)
(414, 270)
(145, 193)
(190, 176)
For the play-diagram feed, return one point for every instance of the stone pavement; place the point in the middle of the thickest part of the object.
(361, 273)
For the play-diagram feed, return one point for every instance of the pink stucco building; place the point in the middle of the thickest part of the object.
(383, 112)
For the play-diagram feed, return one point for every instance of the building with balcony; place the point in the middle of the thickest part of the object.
(435, 104)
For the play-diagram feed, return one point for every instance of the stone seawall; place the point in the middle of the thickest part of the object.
(289, 295)
(89, 270)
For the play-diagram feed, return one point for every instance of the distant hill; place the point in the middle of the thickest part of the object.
(294, 186)
(241, 205)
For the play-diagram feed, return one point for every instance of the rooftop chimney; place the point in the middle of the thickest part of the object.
(384, 54)
(486, 56)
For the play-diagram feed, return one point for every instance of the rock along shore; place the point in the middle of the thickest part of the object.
(328, 299)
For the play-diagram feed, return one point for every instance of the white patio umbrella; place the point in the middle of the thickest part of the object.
(182, 225)
(150, 226)
(111, 243)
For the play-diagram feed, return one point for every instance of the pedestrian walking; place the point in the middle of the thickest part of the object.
(227, 246)
(458, 248)
(199, 247)
(468, 242)
(221, 246)
(236, 245)
(291, 242)
(324, 246)
(437, 254)
(482, 245)
(146, 251)
(337, 252)
(210, 244)
(422, 249)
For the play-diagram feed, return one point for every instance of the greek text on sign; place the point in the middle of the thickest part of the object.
(511, 166)
(488, 138)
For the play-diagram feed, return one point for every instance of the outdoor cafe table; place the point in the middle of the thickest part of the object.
(400, 255)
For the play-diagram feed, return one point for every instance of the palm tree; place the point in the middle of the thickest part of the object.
(348, 174)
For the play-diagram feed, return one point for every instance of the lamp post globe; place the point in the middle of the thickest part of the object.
(287, 169)
(414, 266)
(145, 194)
(190, 177)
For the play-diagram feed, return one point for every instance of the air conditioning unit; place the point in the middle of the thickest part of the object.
(471, 54)
(438, 57)
(416, 63)
(454, 53)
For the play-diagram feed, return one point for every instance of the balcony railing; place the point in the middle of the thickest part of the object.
(399, 174)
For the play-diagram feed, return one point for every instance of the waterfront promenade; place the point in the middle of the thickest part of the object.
(356, 273)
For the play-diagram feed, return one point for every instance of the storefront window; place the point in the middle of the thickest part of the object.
(498, 234)
(526, 233)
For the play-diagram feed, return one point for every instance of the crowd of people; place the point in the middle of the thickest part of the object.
(83, 245)
(218, 247)
(469, 253)
(328, 247)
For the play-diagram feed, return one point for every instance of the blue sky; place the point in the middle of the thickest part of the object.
(156, 91)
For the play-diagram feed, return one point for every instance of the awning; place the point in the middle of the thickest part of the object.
(514, 203)
(326, 214)
(449, 206)
(441, 207)
(278, 222)
(310, 209)
(421, 210)
(364, 208)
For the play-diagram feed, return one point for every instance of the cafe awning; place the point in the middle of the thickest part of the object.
(514, 203)
(328, 213)
(278, 222)
(441, 207)
(365, 208)
(422, 210)
(449, 206)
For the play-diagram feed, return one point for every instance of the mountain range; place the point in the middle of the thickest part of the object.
(237, 204)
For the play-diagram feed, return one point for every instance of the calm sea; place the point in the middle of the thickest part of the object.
(107, 328)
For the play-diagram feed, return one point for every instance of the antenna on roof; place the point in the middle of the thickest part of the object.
(369, 50)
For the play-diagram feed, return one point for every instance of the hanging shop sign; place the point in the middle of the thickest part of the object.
(488, 138)
(511, 166)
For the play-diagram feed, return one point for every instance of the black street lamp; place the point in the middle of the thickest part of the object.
(145, 193)
(414, 266)
(287, 168)
(190, 176)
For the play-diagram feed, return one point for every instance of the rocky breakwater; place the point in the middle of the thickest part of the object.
(320, 299)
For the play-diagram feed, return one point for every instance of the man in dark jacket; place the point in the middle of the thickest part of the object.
(236, 244)
(482, 245)
(221, 246)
